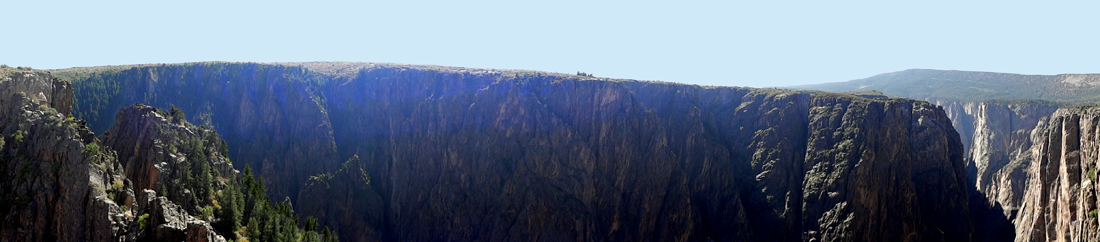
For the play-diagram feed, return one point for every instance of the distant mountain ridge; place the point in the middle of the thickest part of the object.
(974, 86)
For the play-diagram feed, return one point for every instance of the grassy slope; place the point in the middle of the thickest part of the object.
(974, 86)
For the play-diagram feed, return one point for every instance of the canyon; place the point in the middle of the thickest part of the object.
(402, 152)
(1017, 138)
(385, 152)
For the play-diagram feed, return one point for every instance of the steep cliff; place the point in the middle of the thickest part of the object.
(1060, 196)
(998, 138)
(269, 114)
(1018, 151)
(442, 153)
(999, 141)
(57, 186)
(67, 185)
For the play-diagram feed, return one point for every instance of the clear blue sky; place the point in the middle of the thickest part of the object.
(731, 43)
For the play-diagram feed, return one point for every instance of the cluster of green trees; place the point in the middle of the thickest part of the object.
(241, 210)
(246, 211)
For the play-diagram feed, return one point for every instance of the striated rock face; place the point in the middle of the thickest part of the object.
(999, 150)
(1060, 196)
(464, 154)
(551, 158)
(999, 137)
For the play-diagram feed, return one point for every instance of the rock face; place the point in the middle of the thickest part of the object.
(999, 141)
(998, 138)
(151, 150)
(170, 222)
(1028, 161)
(348, 199)
(465, 154)
(41, 88)
(65, 185)
(536, 157)
(54, 189)
(1060, 196)
(269, 114)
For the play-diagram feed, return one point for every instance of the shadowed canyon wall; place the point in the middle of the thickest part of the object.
(389, 152)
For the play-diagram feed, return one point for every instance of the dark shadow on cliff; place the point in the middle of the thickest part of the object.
(990, 222)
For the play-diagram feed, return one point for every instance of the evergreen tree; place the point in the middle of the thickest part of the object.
(177, 114)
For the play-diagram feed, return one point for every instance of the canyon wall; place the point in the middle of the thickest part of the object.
(438, 153)
(1059, 202)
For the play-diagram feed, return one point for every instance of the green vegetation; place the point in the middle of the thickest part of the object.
(177, 115)
(116, 184)
(1092, 173)
(91, 150)
(969, 86)
(6, 69)
(143, 221)
(245, 202)
(207, 213)
(17, 137)
(242, 203)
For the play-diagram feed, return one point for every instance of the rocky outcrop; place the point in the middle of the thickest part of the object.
(66, 185)
(154, 150)
(58, 176)
(43, 160)
(165, 153)
(41, 88)
(269, 114)
(170, 222)
(1060, 196)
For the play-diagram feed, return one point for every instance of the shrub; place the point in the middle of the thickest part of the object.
(17, 137)
(208, 213)
(91, 150)
(116, 184)
(143, 221)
